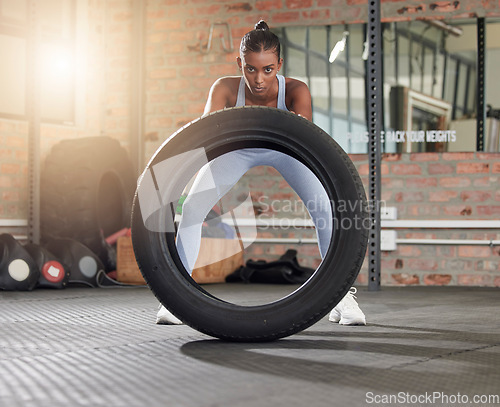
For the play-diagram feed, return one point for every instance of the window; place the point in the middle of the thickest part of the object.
(337, 90)
(431, 61)
(55, 68)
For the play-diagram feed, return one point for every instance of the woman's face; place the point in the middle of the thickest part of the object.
(260, 70)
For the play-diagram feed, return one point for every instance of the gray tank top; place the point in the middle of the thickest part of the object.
(240, 101)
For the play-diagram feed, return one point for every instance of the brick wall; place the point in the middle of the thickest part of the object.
(177, 78)
(13, 168)
(448, 186)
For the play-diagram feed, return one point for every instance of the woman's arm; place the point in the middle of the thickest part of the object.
(299, 98)
(220, 95)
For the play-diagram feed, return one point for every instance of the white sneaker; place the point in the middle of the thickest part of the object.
(165, 317)
(347, 311)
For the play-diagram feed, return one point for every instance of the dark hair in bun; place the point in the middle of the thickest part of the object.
(261, 25)
(260, 39)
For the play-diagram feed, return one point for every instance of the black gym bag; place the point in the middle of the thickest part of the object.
(286, 270)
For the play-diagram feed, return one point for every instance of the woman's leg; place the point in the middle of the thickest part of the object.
(315, 198)
(213, 181)
(311, 192)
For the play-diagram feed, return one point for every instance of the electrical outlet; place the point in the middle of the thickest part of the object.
(388, 240)
(388, 213)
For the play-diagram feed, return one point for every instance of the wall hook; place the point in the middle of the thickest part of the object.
(206, 49)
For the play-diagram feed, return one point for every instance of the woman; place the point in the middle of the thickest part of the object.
(259, 85)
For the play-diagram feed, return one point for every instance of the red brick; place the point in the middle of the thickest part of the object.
(439, 168)
(495, 168)
(446, 251)
(197, 23)
(192, 96)
(163, 73)
(442, 195)
(262, 183)
(202, 83)
(437, 279)
(162, 25)
(392, 183)
(159, 122)
(183, 121)
(16, 142)
(358, 157)
(483, 181)
(362, 279)
(209, 10)
(239, 7)
(421, 182)
(474, 279)
(5, 181)
(387, 195)
(9, 168)
(7, 127)
(456, 210)
(194, 71)
(475, 251)
(424, 157)
(389, 263)
(454, 182)
(10, 196)
(157, 38)
(286, 17)
(118, 111)
(406, 169)
(316, 15)
(409, 196)
(196, 109)
(488, 156)
(168, 109)
(122, 16)
(422, 264)
(496, 282)
(458, 156)
(269, 5)
(176, 84)
(152, 15)
(405, 279)
(223, 69)
(272, 171)
(292, 4)
(173, 48)
(408, 250)
(485, 265)
(472, 168)
(182, 36)
(391, 157)
(4, 154)
(475, 196)
(488, 210)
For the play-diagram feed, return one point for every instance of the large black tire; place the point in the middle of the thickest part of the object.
(87, 188)
(233, 129)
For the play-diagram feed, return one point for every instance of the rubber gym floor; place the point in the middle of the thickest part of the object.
(101, 347)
